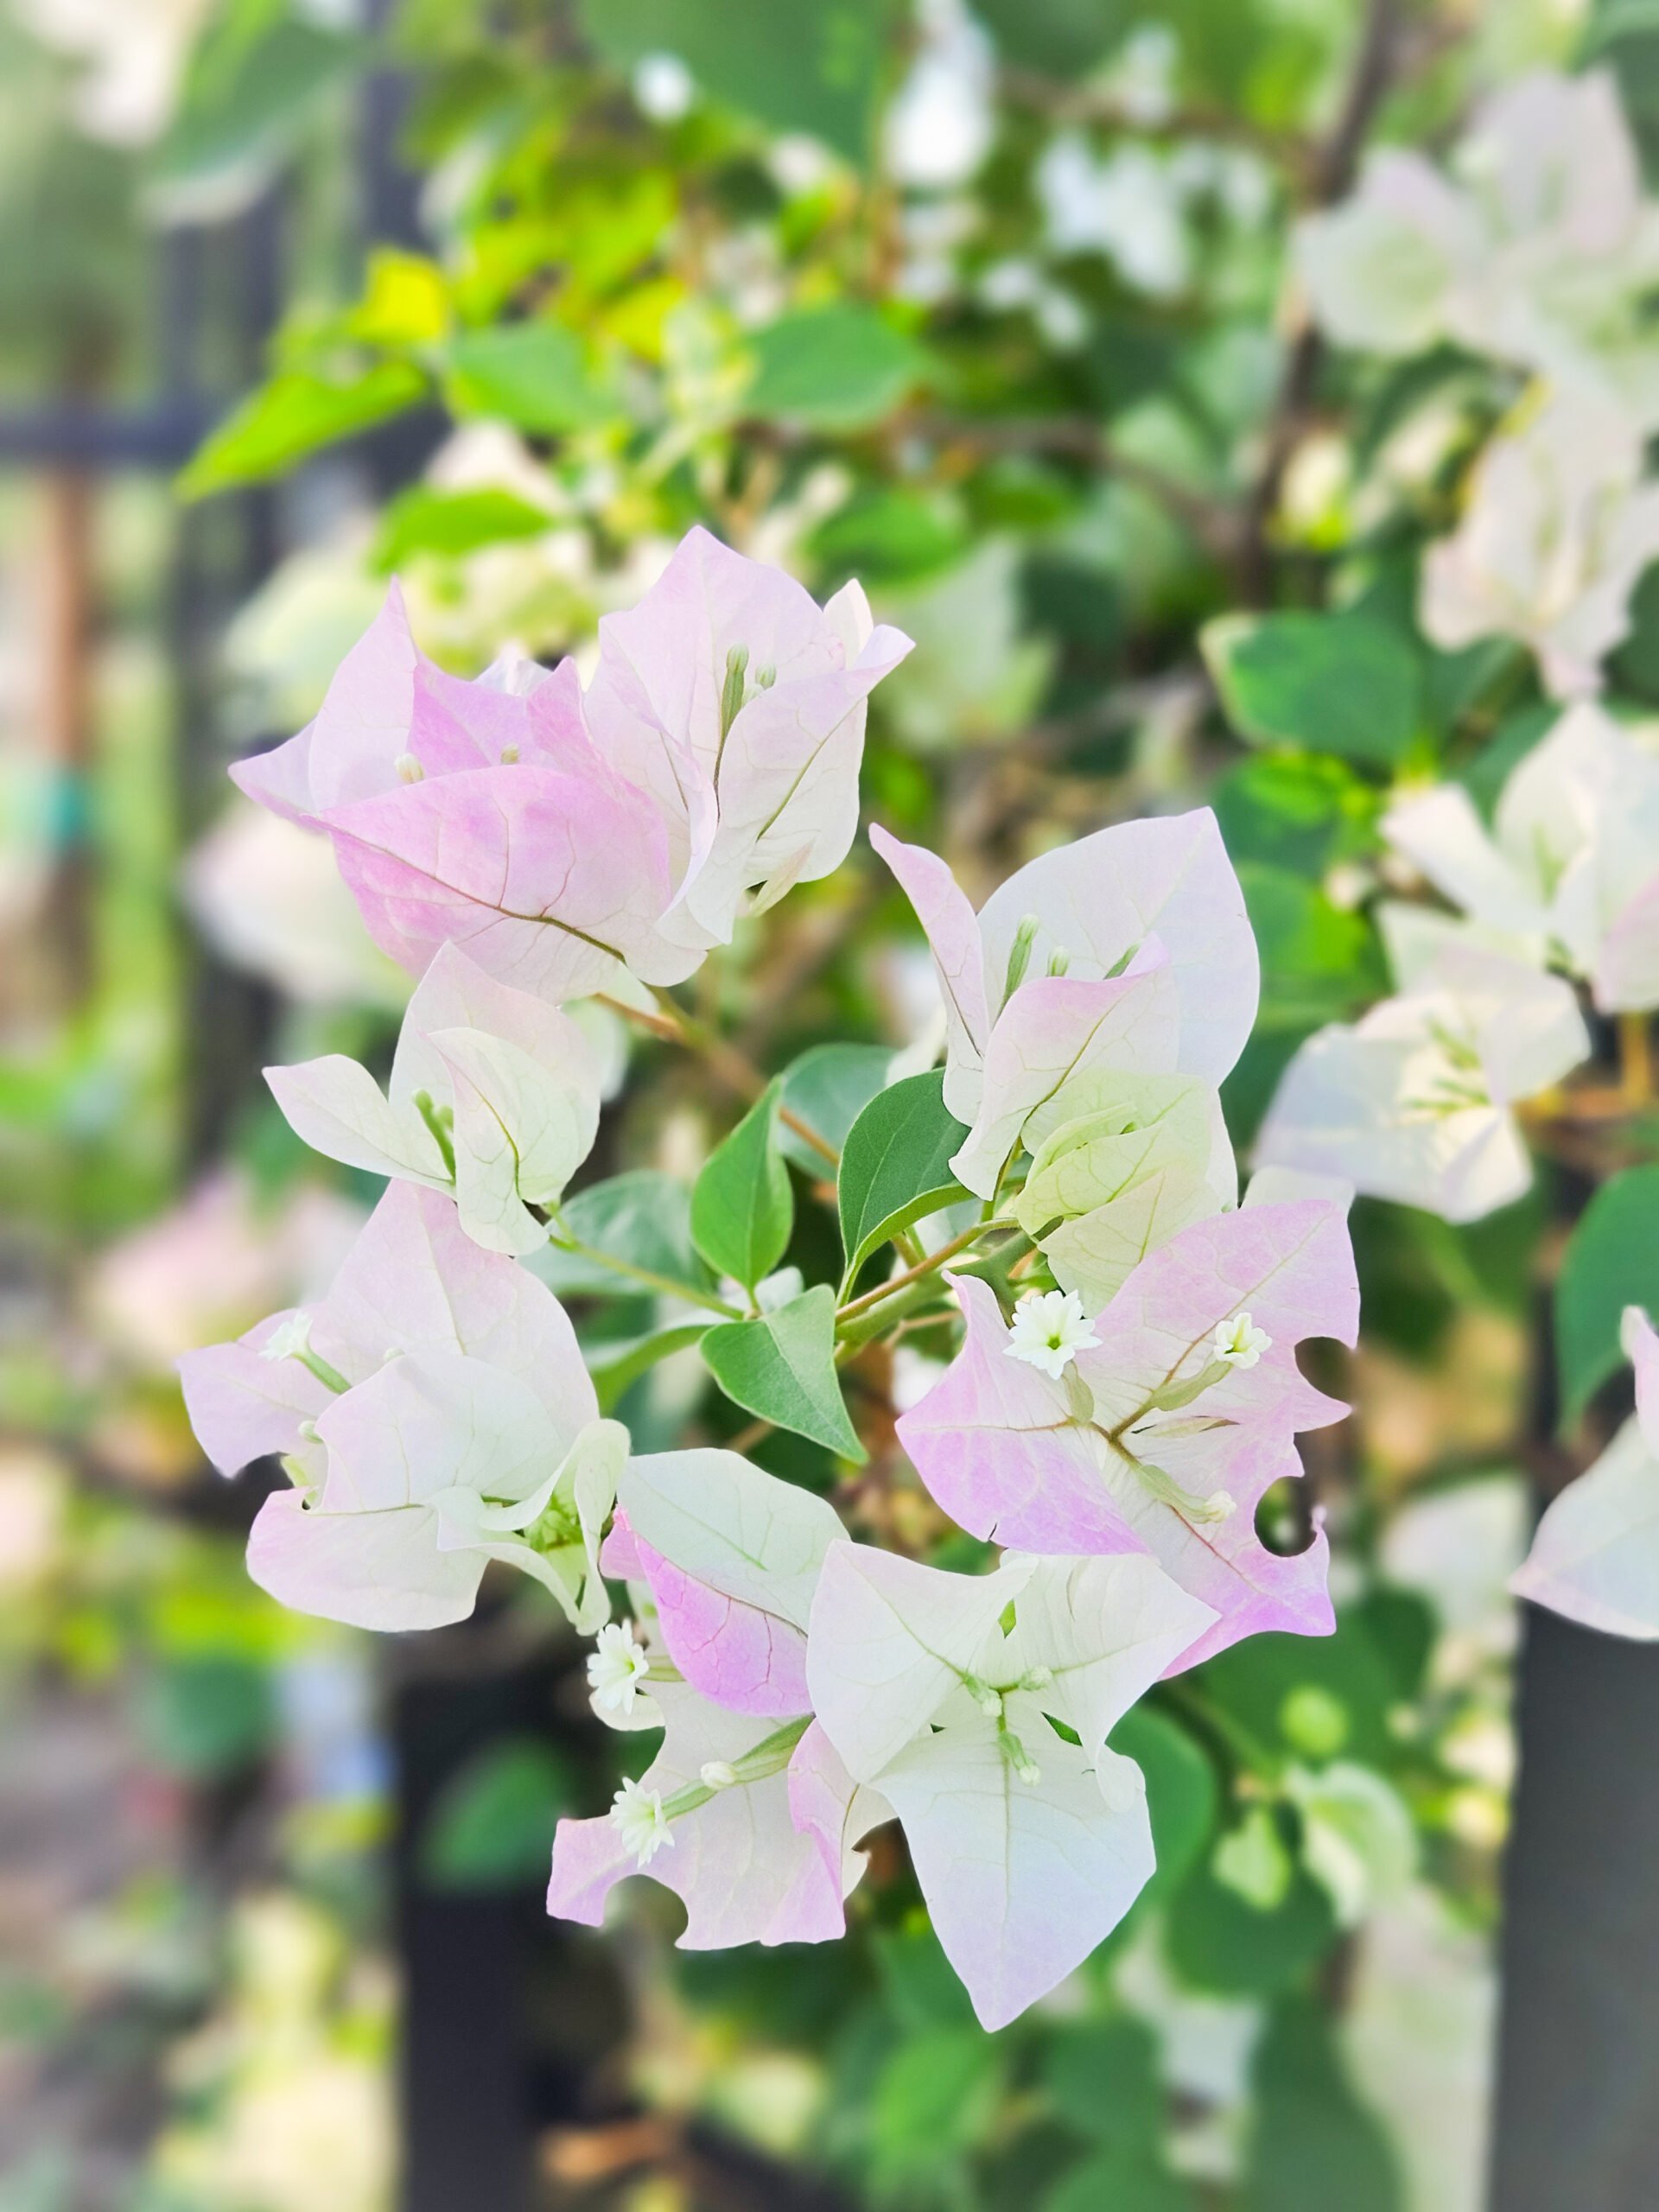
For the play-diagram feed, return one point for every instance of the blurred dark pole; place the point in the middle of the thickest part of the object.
(67, 716)
(222, 295)
(1577, 2126)
(467, 2138)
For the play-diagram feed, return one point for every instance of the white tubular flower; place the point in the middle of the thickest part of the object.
(290, 1339)
(1049, 1329)
(1239, 1343)
(616, 1667)
(638, 1816)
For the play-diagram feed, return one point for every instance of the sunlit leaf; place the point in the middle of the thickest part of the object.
(291, 416)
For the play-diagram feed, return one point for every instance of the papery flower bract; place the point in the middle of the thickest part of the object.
(1540, 249)
(739, 704)
(743, 1870)
(493, 1092)
(479, 814)
(1029, 1848)
(436, 1414)
(1153, 1442)
(269, 897)
(1385, 269)
(1049, 1330)
(731, 1555)
(1139, 954)
(1413, 1102)
(1570, 870)
(1557, 530)
(1595, 1557)
(1119, 1163)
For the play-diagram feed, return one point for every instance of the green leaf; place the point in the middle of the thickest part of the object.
(291, 416)
(1263, 1683)
(643, 1218)
(829, 1086)
(895, 1165)
(1319, 962)
(206, 1716)
(491, 1827)
(1062, 38)
(1313, 2144)
(534, 374)
(615, 1367)
(255, 78)
(831, 368)
(453, 522)
(1296, 810)
(1103, 2078)
(935, 2098)
(1342, 683)
(1217, 1941)
(1611, 1262)
(919, 1983)
(890, 536)
(1181, 1795)
(1127, 2181)
(814, 66)
(782, 1366)
(742, 1208)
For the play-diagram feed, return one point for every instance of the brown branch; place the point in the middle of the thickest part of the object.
(1061, 104)
(739, 1074)
(1333, 173)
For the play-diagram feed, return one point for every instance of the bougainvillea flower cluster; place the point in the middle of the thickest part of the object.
(1127, 1387)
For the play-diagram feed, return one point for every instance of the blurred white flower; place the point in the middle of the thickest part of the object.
(1418, 2032)
(940, 125)
(1357, 1839)
(1129, 207)
(973, 677)
(1458, 1548)
(34, 1492)
(1539, 248)
(136, 52)
(1141, 79)
(214, 1263)
(1558, 528)
(269, 897)
(663, 87)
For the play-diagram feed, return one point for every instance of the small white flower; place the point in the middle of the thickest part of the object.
(1049, 1328)
(616, 1667)
(1239, 1343)
(292, 1340)
(717, 1774)
(640, 1822)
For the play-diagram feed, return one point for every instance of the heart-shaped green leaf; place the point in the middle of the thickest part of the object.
(782, 1366)
(742, 1208)
(895, 1166)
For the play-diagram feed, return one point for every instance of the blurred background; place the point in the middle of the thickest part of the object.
(988, 306)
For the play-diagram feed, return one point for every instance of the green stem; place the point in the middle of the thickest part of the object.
(330, 1377)
(934, 1261)
(665, 1284)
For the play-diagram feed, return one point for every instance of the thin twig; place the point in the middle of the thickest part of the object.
(738, 1074)
(934, 1261)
